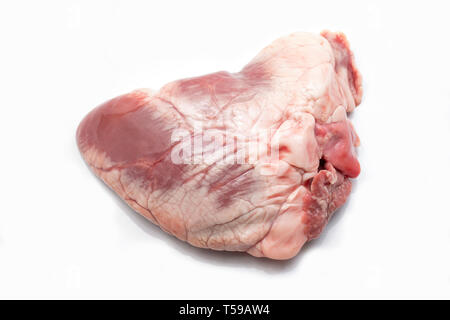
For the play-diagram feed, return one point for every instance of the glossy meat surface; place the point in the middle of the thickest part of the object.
(255, 161)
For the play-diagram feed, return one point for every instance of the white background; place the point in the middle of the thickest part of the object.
(63, 234)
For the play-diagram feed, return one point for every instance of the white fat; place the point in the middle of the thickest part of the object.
(298, 138)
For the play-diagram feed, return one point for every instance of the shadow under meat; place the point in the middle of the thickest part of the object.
(225, 258)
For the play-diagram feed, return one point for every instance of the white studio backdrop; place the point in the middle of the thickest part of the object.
(63, 234)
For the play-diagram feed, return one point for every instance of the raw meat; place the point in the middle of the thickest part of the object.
(255, 161)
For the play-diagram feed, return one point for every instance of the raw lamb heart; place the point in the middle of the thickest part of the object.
(255, 161)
